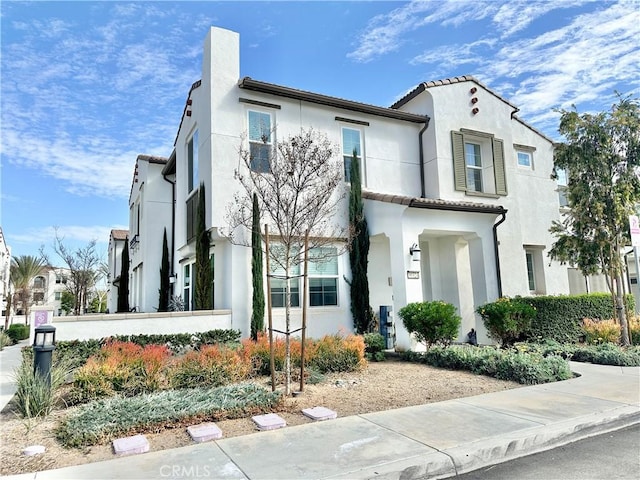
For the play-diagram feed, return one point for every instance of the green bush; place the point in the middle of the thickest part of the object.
(103, 420)
(18, 331)
(607, 354)
(525, 368)
(560, 317)
(374, 346)
(35, 397)
(506, 320)
(431, 322)
(5, 340)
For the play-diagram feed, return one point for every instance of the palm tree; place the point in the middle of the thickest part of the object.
(23, 270)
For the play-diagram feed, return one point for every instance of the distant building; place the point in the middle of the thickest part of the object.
(5, 268)
(117, 239)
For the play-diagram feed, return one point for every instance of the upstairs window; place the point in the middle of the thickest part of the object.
(524, 156)
(478, 163)
(524, 159)
(561, 180)
(260, 141)
(351, 142)
(192, 162)
(38, 282)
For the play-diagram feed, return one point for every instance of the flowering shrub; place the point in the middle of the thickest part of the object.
(431, 322)
(506, 320)
(634, 330)
(603, 331)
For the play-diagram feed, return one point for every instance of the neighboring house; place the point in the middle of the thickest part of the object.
(5, 269)
(116, 244)
(150, 210)
(458, 195)
(47, 288)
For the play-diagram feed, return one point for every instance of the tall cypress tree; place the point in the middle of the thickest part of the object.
(203, 295)
(257, 314)
(359, 252)
(123, 287)
(163, 298)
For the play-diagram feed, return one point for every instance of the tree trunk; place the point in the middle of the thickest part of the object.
(287, 343)
(621, 313)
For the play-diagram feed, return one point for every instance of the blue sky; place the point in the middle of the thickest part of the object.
(87, 86)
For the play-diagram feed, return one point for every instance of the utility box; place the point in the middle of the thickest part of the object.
(387, 327)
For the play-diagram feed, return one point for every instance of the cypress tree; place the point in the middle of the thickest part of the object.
(257, 315)
(123, 287)
(359, 252)
(163, 299)
(203, 295)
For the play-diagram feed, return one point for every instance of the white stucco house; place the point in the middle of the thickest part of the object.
(458, 196)
(117, 239)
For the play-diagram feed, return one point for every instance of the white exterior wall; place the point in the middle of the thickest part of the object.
(115, 266)
(153, 193)
(532, 200)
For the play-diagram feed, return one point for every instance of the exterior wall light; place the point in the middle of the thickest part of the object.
(414, 251)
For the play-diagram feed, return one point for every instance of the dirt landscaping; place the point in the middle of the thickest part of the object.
(381, 386)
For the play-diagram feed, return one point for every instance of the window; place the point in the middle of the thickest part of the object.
(534, 260)
(192, 206)
(530, 272)
(38, 282)
(260, 141)
(323, 277)
(192, 162)
(478, 161)
(187, 286)
(58, 295)
(38, 297)
(323, 280)
(561, 180)
(351, 142)
(473, 160)
(524, 159)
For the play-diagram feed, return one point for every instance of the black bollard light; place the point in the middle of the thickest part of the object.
(44, 343)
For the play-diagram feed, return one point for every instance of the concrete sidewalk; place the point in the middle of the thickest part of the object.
(10, 359)
(437, 440)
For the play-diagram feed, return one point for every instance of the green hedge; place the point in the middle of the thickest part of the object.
(18, 332)
(558, 317)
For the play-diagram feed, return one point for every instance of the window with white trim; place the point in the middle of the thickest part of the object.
(478, 163)
(192, 162)
(535, 269)
(351, 142)
(323, 277)
(524, 159)
(187, 285)
(260, 140)
(561, 180)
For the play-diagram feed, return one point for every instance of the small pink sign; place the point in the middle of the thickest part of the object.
(41, 318)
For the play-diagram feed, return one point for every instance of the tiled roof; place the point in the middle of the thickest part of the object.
(195, 85)
(119, 234)
(464, 78)
(335, 102)
(433, 203)
(153, 159)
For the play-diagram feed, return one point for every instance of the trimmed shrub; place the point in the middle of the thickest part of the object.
(506, 320)
(525, 368)
(18, 331)
(559, 317)
(607, 354)
(5, 340)
(335, 353)
(374, 346)
(431, 322)
(603, 331)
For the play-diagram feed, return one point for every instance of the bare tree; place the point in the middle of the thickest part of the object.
(299, 190)
(83, 265)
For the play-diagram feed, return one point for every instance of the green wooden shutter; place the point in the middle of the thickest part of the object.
(498, 167)
(459, 166)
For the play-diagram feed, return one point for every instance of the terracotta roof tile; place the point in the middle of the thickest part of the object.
(119, 234)
(433, 203)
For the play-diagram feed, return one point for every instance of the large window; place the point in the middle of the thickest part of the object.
(561, 180)
(323, 280)
(260, 141)
(351, 142)
(323, 277)
(478, 161)
(192, 162)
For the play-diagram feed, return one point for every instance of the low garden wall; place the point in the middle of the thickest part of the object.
(96, 326)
